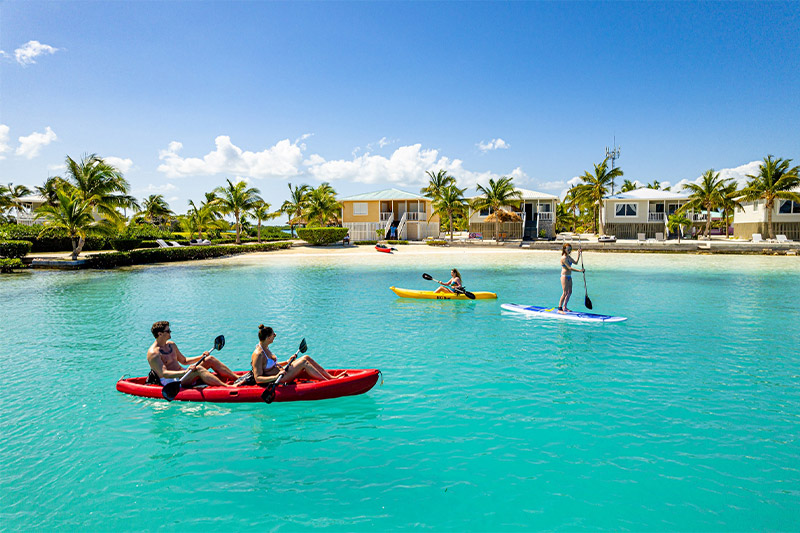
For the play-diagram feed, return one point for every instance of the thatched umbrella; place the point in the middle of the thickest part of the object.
(502, 215)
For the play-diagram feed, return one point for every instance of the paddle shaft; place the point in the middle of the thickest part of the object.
(457, 290)
(587, 302)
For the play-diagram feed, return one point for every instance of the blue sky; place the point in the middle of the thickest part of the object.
(182, 95)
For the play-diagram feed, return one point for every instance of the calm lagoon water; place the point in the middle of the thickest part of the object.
(686, 417)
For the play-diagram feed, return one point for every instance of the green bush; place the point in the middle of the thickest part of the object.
(144, 232)
(50, 241)
(15, 249)
(397, 242)
(9, 265)
(365, 242)
(185, 253)
(322, 236)
(125, 244)
(436, 243)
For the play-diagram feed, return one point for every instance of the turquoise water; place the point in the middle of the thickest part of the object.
(685, 417)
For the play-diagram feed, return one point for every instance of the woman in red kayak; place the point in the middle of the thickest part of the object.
(265, 366)
(566, 276)
(455, 282)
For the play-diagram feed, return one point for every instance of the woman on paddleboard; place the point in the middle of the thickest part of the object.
(455, 282)
(566, 276)
(265, 366)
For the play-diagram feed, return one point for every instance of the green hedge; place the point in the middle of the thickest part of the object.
(365, 242)
(15, 249)
(322, 236)
(184, 253)
(51, 241)
(124, 244)
(9, 265)
(436, 243)
(397, 242)
(145, 232)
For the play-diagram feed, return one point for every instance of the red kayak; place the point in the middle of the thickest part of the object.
(355, 382)
(383, 249)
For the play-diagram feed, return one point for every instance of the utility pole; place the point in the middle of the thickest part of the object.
(613, 153)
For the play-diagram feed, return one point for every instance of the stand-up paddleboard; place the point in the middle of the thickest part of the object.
(552, 312)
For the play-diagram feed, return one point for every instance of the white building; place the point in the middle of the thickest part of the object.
(537, 211)
(643, 210)
(753, 219)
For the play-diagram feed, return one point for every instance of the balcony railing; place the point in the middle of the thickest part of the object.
(546, 216)
(386, 216)
(655, 217)
(413, 216)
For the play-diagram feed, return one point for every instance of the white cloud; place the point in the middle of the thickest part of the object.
(28, 52)
(279, 161)
(406, 166)
(123, 165)
(552, 185)
(58, 167)
(158, 189)
(494, 144)
(737, 173)
(30, 146)
(4, 147)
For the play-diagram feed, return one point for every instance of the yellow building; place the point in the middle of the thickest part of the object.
(402, 215)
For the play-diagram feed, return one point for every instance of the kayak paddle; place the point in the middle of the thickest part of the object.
(457, 290)
(269, 391)
(587, 302)
(170, 390)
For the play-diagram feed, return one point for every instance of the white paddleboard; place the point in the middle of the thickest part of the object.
(552, 312)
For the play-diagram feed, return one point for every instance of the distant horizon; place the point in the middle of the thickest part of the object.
(368, 96)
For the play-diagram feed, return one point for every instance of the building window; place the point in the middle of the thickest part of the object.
(360, 208)
(625, 210)
(486, 212)
(544, 208)
(788, 207)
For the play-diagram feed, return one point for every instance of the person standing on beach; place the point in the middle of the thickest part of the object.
(165, 360)
(566, 276)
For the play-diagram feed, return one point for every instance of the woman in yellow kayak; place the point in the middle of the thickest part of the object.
(455, 282)
(566, 276)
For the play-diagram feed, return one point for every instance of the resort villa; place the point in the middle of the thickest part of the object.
(402, 215)
(753, 219)
(26, 205)
(536, 215)
(626, 215)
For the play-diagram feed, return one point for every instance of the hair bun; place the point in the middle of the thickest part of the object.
(261, 326)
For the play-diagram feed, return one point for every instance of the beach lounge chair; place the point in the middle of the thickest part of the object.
(640, 238)
(757, 237)
(606, 238)
(175, 244)
(660, 237)
(162, 244)
(782, 238)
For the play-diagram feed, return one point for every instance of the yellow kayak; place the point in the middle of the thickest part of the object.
(430, 295)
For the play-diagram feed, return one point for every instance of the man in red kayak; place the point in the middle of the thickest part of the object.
(165, 360)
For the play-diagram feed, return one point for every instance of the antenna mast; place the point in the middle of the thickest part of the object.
(613, 153)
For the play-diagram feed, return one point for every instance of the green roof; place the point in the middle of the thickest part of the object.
(386, 194)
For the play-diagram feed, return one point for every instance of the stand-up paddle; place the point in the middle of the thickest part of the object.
(269, 391)
(170, 390)
(457, 290)
(587, 302)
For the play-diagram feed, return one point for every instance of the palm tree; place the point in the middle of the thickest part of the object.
(101, 185)
(774, 180)
(155, 209)
(594, 188)
(565, 217)
(237, 199)
(437, 183)
(203, 217)
(73, 213)
(705, 195)
(294, 206)
(10, 194)
(450, 202)
(628, 185)
(498, 194)
(730, 201)
(49, 189)
(676, 222)
(321, 206)
(261, 212)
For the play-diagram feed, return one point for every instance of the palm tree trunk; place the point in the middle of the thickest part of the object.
(238, 239)
(708, 222)
(496, 229)
(259, 231)
(600, 219)
(76, 250)
(768, 207)
(451, 227)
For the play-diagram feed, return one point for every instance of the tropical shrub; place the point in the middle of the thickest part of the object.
(50, 241)
(9, 265)
(436, 243)
(15, 249)
(126, 244)
(322, 236)
(184, 253)
(397, 242)
(145, 232)
(365, 242)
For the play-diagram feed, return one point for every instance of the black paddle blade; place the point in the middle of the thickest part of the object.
(427, 276)
(269, 393)
(219, 343)
(588, 303)
(469, 295)
(303, 346)
(170, 390)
